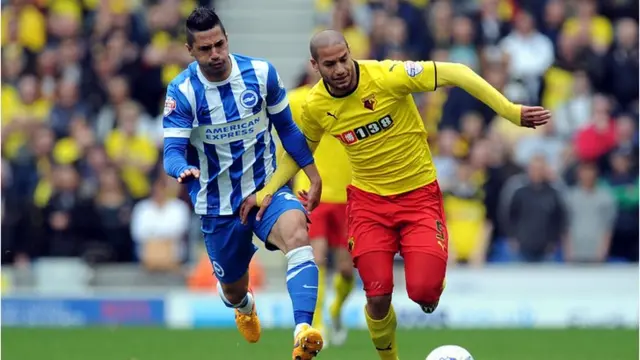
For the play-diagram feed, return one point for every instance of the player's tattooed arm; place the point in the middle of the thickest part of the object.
(452, 74)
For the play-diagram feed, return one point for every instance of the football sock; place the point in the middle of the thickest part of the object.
(302, 283)
(318, 316)
(383, 334)
(342, 287)
(245, 306)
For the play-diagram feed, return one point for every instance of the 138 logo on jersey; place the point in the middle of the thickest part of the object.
(360, 133)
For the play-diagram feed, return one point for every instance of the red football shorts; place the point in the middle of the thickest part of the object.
(329, 221)
(410, 222)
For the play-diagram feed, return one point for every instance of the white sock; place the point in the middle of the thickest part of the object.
(246, 309)
(245, 306)
(298, 329)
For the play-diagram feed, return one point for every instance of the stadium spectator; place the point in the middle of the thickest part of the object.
(623, 183)
(591, 216)
(530, 54)
(534, 214)
(159, 225)
(112, 207)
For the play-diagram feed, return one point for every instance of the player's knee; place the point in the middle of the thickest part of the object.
(425, 291)
(378, 306)
(345, 268)
(425, 275)
(319, 252)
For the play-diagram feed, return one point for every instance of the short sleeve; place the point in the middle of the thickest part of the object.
(309, 126)
(177, 120)
(276, 93)
(406, 77)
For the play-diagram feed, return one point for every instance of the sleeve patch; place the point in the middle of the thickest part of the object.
(280, 83)
(169, 105)
(413, 69)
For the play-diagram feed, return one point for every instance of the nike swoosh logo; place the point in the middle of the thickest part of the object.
(309, 287)
(205, 112)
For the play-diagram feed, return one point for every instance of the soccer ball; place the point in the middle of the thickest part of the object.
(449, 352)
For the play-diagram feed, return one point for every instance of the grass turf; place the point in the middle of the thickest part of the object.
(164, 344)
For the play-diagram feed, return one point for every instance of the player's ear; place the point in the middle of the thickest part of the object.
(189, 47)
(314, 64)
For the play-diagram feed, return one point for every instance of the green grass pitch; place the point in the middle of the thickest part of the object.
(163, 344)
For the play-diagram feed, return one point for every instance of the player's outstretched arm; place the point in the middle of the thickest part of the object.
(292, 139)
(287, 169)
(453, 74)
(177, 123)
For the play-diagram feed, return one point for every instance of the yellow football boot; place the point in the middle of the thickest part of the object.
(249, 324)
(308, 343)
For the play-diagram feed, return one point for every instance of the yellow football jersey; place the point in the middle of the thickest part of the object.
(378, 124)
(330, 158)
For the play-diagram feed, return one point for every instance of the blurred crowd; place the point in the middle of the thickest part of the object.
(564, 192)
(83, 85)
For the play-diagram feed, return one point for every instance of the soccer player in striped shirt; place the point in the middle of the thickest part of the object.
(218, 117)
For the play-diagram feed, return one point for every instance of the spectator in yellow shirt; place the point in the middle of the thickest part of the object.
(466, 213)
(21, 114)
(134, 153)
(589, 26)
(24, 24)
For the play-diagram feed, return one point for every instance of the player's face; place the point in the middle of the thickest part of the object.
(336, 67)
(211, 51)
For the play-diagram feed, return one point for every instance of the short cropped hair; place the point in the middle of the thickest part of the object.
(202, 19)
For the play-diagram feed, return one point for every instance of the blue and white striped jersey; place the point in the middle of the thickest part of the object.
(229, 130)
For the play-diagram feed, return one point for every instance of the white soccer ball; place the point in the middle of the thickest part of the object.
(449, 352)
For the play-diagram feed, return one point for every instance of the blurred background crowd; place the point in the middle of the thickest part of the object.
(83, 85)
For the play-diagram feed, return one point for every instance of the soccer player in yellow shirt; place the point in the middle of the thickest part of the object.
(394, 203)
(328, 228)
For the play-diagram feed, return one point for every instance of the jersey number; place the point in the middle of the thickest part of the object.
(365, 131)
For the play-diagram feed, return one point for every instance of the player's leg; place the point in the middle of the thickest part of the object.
(373, 244)
(343, 280)
(284, 226)
(424, 244)
(318, 231)
(230, 249)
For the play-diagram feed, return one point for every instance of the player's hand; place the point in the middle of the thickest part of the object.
(533, 116)
(249, 203)
(191, 173)
(311, 199)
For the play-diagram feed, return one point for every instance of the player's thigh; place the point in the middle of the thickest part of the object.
(229, 247)
(319, 232)
(376, 272)
(338, 232)
(369, 227)
(423, 222)
(284, 224)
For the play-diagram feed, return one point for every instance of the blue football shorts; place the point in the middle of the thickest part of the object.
(229, 243)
